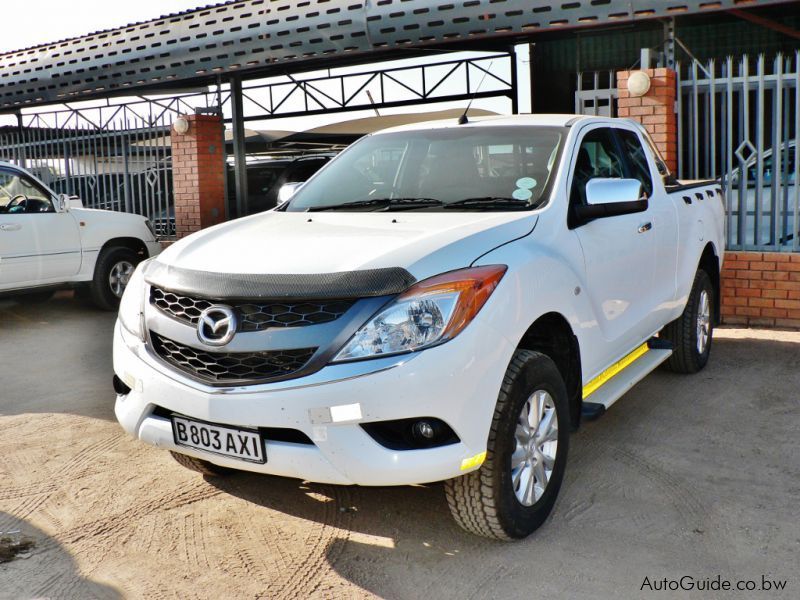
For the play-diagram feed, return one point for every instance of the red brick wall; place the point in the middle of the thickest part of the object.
(761, 289)
(198, 174)
(655, 110)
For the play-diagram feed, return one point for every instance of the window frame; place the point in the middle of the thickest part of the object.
(34, 183)
(627, 160)
(614, 128)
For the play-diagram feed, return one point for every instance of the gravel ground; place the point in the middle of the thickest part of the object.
(696, 476)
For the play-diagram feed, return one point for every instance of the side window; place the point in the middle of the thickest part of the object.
(19, 194)
(597, 156)
(637, 159)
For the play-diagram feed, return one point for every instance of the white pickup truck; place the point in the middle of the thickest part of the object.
(441, 302)
(48, 243)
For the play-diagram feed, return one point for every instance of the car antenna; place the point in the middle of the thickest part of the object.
(463, 118)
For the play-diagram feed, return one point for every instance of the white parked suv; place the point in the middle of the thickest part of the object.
(442, 301)
(48, 243)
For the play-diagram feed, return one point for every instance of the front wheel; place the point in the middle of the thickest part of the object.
(203, 467)
(691, 333)
(512, 494)
(111, 274)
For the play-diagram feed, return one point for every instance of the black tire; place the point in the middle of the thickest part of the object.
(683, 331)
(201, 466)
(484, 502)
(101, 291)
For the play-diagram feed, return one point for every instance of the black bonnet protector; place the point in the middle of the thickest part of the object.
(317, 286)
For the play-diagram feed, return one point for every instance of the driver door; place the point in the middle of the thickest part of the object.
(619, 252)
(38, 245)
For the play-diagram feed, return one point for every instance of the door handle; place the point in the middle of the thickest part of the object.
(646, 227)
(10, 227)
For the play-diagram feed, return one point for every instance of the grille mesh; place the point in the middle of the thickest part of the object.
(253, 316)
(227, 366)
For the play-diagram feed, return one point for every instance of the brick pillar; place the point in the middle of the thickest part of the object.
(198, 174)
(655, 110)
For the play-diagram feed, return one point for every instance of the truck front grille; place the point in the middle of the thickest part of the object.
(253, 316)
(248, 367)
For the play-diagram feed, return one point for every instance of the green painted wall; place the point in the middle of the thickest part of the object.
(555, 62)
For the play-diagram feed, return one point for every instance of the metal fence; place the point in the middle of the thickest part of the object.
(114, 157)
(596, 93)
(739, 120)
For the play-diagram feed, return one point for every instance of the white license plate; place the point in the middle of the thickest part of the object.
(227, 441)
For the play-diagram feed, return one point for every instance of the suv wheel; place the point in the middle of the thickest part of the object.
(111, 274)
(512, 494)
(691, 333)
(201, 466)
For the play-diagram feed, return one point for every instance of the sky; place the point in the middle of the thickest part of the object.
(35, 22)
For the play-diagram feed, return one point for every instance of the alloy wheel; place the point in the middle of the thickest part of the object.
(534, 456)
(119, 276)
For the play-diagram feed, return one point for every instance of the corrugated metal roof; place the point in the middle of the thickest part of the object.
(261, 37)
(116, 28)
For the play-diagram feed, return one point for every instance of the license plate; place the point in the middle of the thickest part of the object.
(243, 444)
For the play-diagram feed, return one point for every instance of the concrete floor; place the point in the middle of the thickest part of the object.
(696, 476)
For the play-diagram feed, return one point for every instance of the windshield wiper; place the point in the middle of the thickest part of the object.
(490, 202)
(387, 204)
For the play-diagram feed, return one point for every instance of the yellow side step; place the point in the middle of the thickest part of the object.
(608, 387)
(618, 366)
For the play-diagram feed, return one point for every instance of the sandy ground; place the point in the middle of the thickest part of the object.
(690, 476)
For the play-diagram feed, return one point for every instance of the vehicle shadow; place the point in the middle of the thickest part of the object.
(56, 357)
(394, 542)
(46, 570)
(631, 503)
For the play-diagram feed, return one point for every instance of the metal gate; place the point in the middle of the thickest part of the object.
(114, 157)
(596, 93)
(739, 120)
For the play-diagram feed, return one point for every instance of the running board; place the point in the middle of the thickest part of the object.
(608, 387)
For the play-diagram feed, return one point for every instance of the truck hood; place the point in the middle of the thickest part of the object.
(307, 243)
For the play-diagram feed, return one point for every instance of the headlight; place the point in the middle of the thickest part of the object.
(131, 306)
(152, 229)
(428, 313)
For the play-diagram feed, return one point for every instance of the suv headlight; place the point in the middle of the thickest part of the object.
(428, 313)
(131, 306)
(151, 228)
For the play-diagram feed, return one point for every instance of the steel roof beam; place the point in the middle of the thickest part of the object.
(260, 37)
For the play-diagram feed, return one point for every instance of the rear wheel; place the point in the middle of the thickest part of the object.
(201, 466)
(692, 332)
(114, 268)
(512, 494)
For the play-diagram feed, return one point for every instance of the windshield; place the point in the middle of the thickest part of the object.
(464, 168)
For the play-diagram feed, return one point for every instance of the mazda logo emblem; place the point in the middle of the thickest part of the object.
(216, 325)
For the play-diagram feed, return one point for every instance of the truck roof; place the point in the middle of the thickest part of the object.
(541, 120)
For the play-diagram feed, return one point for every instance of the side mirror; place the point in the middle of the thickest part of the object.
(65, 202)
(611, 197)
(288, 190)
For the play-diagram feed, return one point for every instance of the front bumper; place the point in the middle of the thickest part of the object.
(457, 382)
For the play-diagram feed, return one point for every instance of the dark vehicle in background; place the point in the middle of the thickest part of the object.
(265, 179)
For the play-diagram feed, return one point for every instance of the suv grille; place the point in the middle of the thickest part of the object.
(253, 316)
(227, 366)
